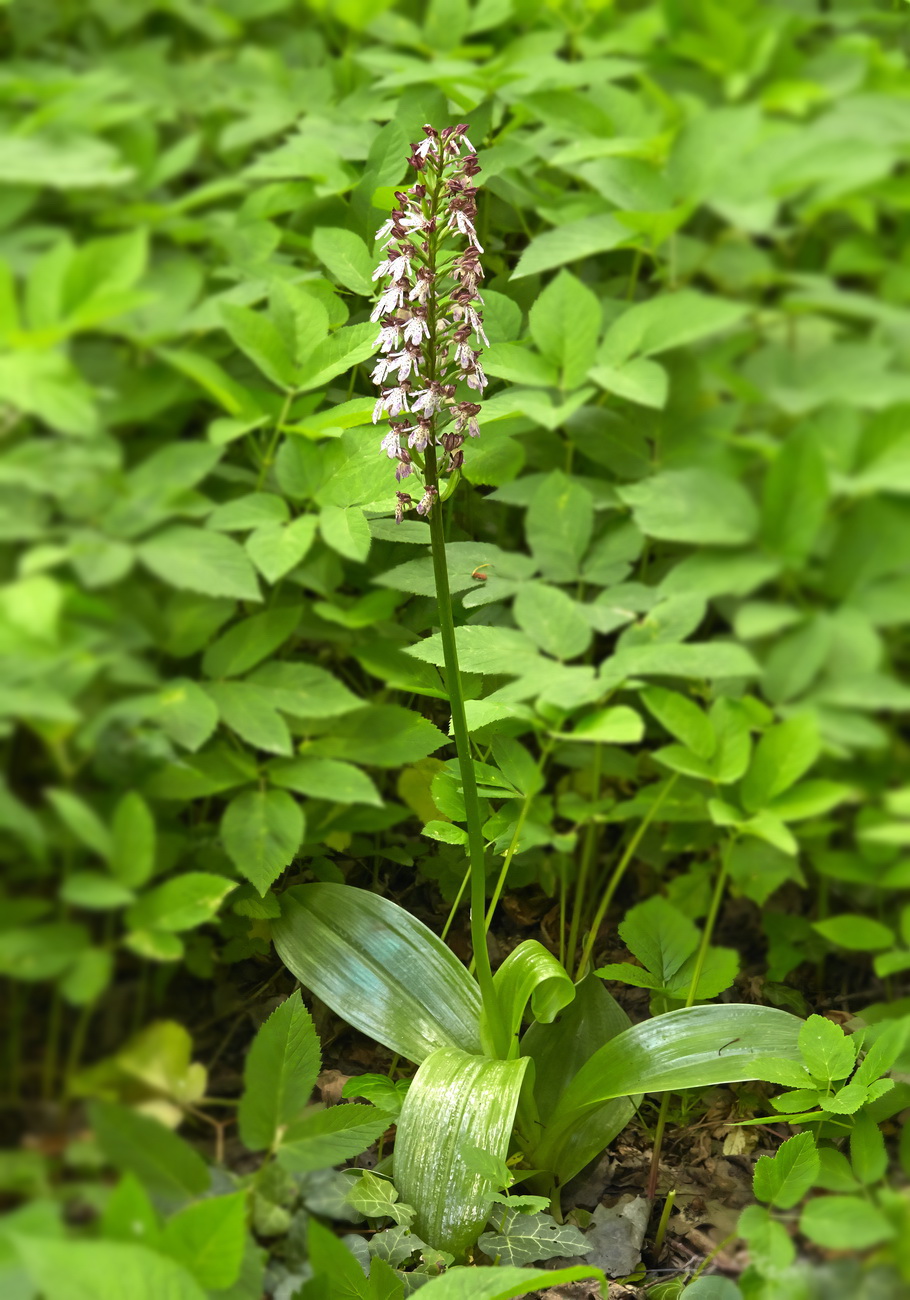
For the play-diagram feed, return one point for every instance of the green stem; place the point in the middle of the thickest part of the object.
(454, 908)
(269, 456)
(710, 922)
(476, 849)
(617, 876)
(592, 836)
(52, 1046)
(703, 947)
(664, 1220)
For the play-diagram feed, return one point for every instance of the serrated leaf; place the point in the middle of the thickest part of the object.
(346, 530)
(132, 840)
(346, 256)
(330, 1136)
(325, 778)
(784, 1178)
(104, 1270)
(186, 713)
(826, 1050)
(832, 1221)
(279, 1074)
(784, 754)
(208, 1238)
(166, 1166)
(693, 505)
(259, 339)
(262, 831)
(565, 321)
(552, 619)
(249, 711)
(275, 548)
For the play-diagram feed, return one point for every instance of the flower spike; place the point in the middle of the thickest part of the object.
(429, 314)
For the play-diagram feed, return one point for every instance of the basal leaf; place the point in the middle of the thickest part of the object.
(456, 1102)
(379, 968)
(529, 974)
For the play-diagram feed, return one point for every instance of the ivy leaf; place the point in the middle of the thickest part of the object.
(377, 1198)
(528, 1238)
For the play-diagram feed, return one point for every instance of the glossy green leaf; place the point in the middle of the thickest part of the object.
(696, 1047)
(529, 974)
(379, 968)
(456, 1102)
(558, 1051)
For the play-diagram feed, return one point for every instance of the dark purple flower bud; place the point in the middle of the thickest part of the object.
(403, 502)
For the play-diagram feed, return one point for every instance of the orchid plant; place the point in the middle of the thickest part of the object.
(552, 1097)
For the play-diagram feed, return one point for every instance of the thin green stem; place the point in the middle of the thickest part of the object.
(269, 456)
(704, 945)
(664, 1220)
(52, 1046)
(710, 921)
(654, 1171)
(546, 747)
(617, 876)
(589, 848)
(476, 848)
(454, 908)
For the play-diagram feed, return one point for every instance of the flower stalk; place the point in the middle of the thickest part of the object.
(427, 316)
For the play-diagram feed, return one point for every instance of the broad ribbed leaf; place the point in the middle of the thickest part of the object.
(529, 973)
(695, 1047)
(457, 1103)
(379, 968)
(558, 1051)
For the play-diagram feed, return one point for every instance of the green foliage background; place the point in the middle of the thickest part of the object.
(689, 500)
